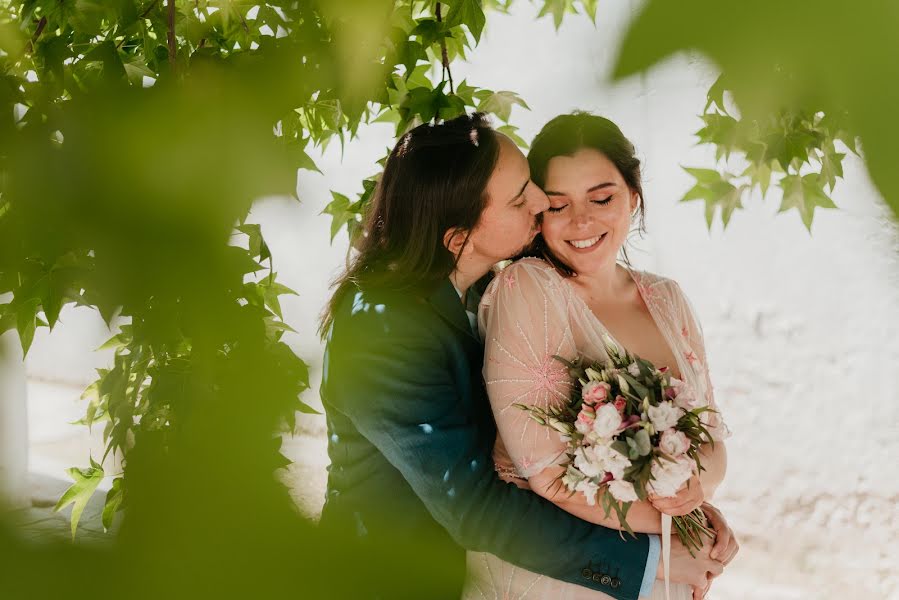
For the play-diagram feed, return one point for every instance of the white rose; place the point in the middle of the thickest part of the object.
(608, 421)
(623, 491)
(589, 490)
(571, 478)
(612, 461)
(586, 462)
(634, 369)
(674, 442)
(664, 416)
(669, 477)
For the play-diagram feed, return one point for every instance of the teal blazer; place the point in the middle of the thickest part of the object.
(412, 484)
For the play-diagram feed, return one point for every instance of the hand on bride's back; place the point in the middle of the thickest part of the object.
(688, 498)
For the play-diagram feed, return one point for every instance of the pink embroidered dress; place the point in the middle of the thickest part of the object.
(528, 314)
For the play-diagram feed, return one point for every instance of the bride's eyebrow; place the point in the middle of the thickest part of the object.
(601, 186)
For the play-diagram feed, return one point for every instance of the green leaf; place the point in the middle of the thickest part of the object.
(511, 132)
(499, 103)
(113, 502)
(78, 494)
(804, 193)
(759, 174)
(26, 323)
(715, 95)
(468, 13)
(342, 211)
(831, 166)
(557, 8)
(715, 191)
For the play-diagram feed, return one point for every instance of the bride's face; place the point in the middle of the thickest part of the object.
(589, 216)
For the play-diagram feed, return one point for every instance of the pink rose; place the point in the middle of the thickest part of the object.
(595, 392)
(620, 403)
(585, 419)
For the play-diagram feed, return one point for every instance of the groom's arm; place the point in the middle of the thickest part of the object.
(402, 385)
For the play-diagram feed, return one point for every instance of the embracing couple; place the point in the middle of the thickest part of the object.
(440, 486)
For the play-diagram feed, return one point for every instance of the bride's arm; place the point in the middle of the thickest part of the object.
(714, 462)
(641, 516)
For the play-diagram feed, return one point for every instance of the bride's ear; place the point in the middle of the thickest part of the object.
(455, 240)
(635, 202)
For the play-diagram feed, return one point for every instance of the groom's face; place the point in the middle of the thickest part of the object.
(509, 221)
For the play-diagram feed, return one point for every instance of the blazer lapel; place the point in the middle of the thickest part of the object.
(446, 302)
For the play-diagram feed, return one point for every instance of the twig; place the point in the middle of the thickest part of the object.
(29, 47)
(171, 33)
(443, 54)
(149, 8)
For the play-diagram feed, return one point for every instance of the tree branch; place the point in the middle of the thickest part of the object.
(171, 33)
(446, 72)
(29, 47)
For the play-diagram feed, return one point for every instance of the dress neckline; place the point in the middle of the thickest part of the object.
(636, 277)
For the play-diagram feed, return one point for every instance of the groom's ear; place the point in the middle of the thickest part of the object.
(455, 241)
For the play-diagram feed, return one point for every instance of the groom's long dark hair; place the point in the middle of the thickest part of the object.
(435, 179)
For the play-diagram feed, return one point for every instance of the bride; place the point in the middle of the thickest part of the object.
(564, 303)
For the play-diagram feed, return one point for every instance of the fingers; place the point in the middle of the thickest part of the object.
(722, 541)
(731, 552)
(700, 591)
(714, 568)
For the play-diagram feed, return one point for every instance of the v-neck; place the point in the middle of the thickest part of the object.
(635, 277)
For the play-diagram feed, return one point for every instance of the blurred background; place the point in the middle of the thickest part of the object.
(801, 327)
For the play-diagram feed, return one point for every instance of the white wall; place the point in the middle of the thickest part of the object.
(13, 424)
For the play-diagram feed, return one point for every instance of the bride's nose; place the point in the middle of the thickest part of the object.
(582, 218)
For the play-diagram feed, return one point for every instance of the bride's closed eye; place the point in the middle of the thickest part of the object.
(601, 202)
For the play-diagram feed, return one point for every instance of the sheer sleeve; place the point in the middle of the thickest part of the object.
(523, 320)
(696, 356)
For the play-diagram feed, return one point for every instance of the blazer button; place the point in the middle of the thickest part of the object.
(606, 580)
(587, 573)
(615, 582)
(597, 577)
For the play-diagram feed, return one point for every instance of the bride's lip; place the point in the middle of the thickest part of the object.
(596, 242)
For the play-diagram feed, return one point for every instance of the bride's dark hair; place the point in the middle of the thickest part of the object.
(564, 136)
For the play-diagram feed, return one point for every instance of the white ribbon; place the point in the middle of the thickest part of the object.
(666, 553)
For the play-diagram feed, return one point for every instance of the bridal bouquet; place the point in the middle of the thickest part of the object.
(632, 429)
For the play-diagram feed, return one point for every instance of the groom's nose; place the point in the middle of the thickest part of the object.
(540, 203)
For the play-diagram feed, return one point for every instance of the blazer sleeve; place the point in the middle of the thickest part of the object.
(399, 377)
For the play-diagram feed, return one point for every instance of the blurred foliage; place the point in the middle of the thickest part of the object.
(805, 82)
(134, 137)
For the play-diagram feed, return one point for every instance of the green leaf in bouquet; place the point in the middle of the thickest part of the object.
(639, 445)
(538, 418)
(621, 447)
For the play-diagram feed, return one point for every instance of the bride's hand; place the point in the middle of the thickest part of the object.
(688, 498)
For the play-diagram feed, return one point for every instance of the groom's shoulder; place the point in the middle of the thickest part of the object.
(382, 311)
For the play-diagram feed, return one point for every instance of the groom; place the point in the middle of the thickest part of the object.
(412, 484)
